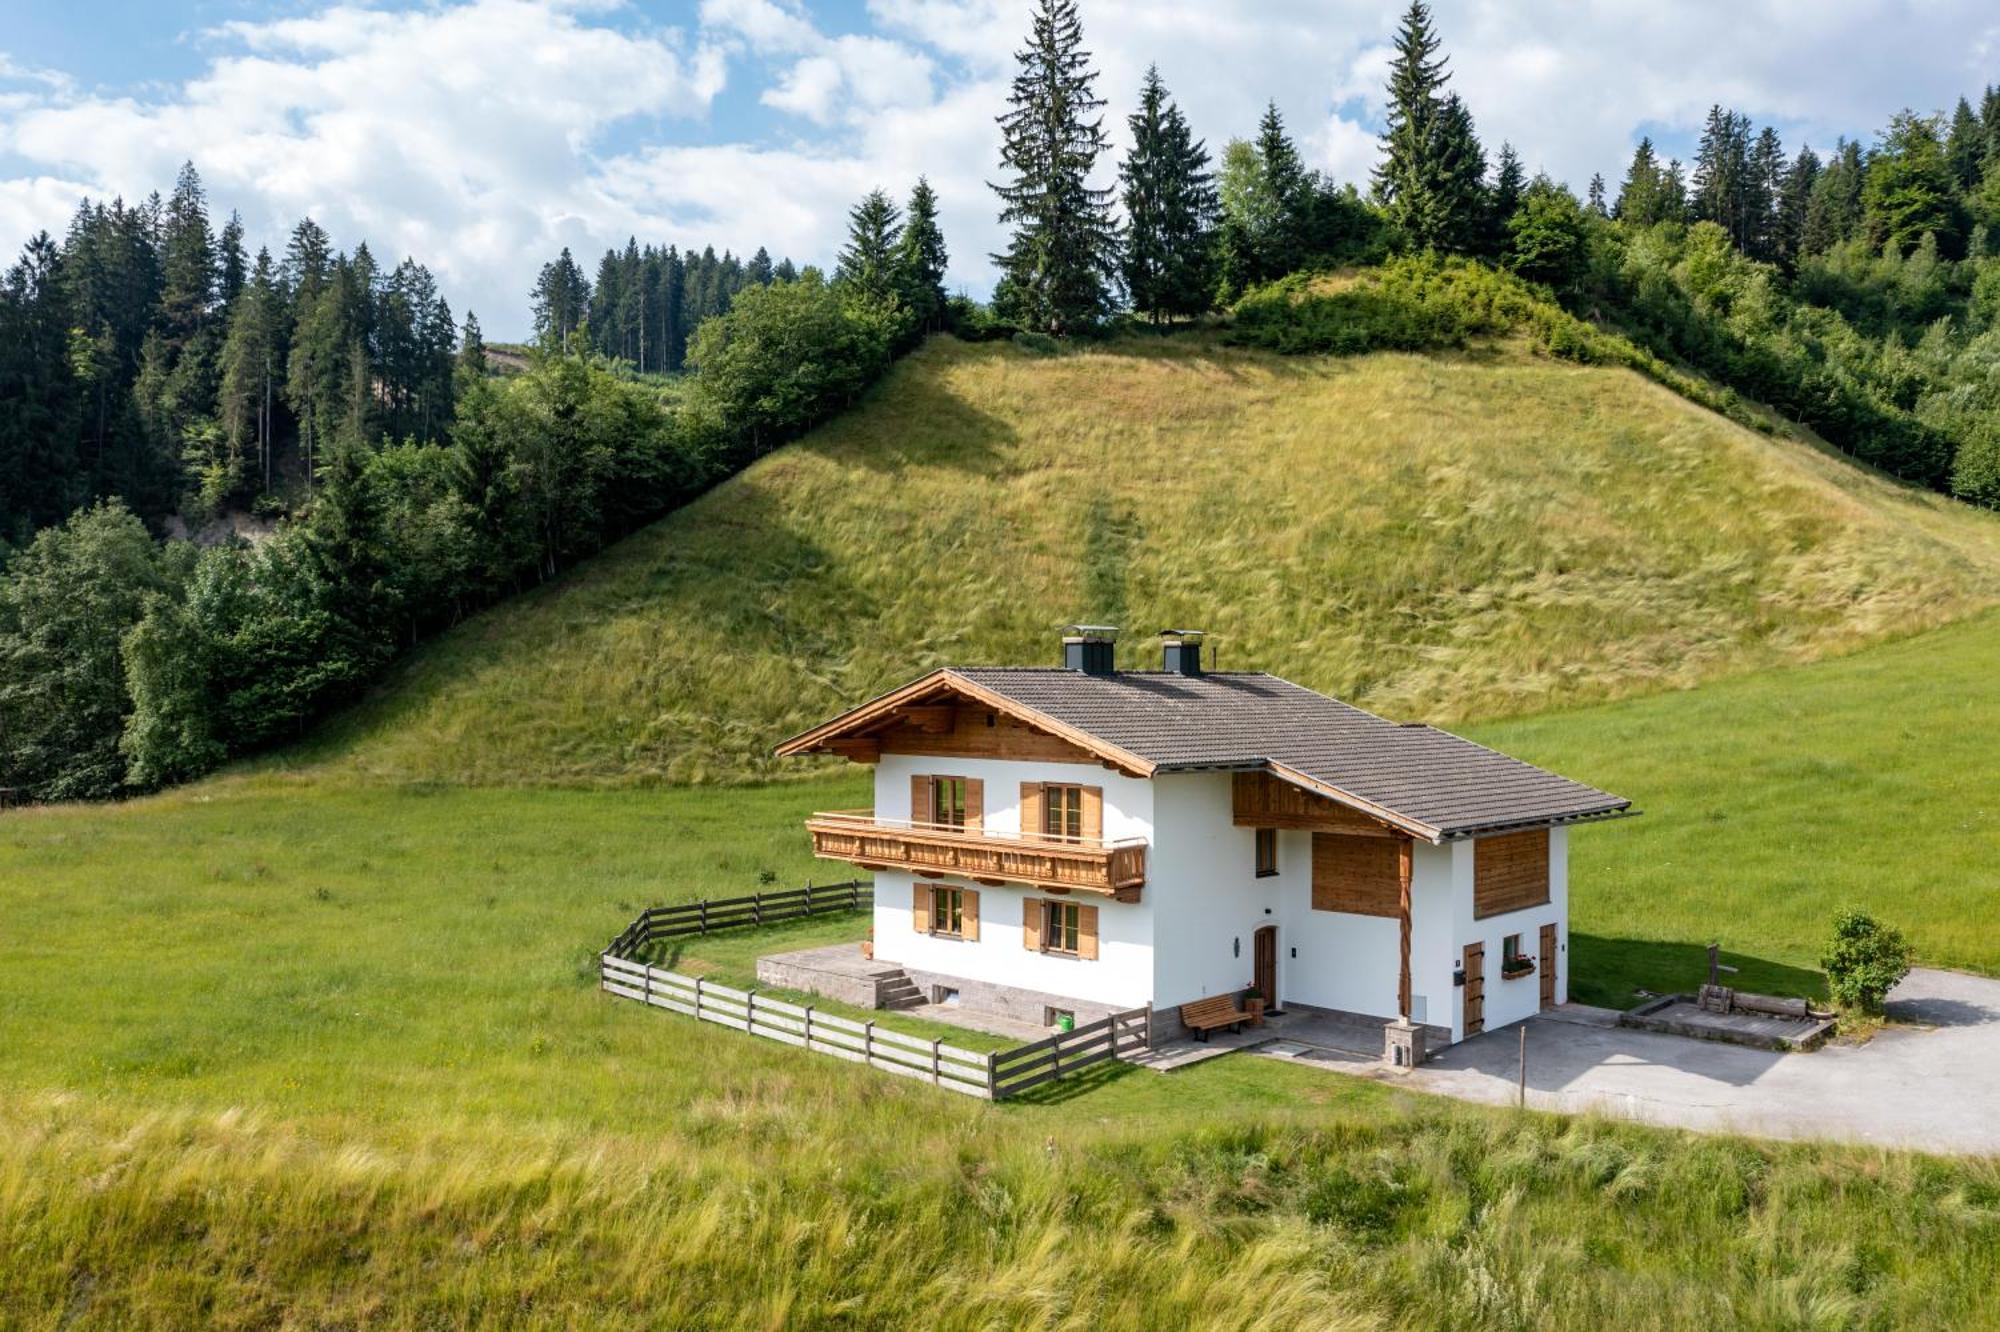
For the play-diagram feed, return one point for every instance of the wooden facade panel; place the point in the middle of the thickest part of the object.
(1259, 800)
(1361, 875)
(977, 732)
(1510, 872)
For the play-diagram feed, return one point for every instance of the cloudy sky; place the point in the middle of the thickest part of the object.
(481, 135)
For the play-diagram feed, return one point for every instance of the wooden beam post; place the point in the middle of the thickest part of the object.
(1404, 852)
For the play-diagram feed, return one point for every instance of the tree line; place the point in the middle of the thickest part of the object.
(127, 662)
(147, 356)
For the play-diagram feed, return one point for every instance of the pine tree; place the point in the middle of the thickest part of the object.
(921, 259)
(1794, 204)
(1640, 197)
(1834, 211)
(561, 301)
(1965, 148)
(867, 263)
(232, 266)
(1721, 191)
(1502, 201)
(471, 349)
(758, 270)
(1430, 181)
(187, 257)
(1674, 192)
(1596, 195)
(1767, 177)
(251, 359)
(1062, 253)
(1170, 206)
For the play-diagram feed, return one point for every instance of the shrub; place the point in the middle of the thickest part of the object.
(1864, 960)
(1038, 344)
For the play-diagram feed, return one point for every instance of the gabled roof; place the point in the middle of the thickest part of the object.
(1429, 783)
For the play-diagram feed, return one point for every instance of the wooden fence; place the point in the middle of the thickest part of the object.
(944, 1065)
(994, 1075)
(723, 913)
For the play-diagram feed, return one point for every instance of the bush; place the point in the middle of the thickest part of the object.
(1038, 344)
(1864, 960)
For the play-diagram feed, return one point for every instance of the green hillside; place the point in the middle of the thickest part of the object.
(1438, 537)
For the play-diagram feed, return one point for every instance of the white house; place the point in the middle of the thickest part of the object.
(1084, 839)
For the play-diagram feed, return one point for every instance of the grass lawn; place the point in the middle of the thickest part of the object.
(278, 1052)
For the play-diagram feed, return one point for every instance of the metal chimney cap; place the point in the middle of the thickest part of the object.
(1185, 635)
(1093, 632)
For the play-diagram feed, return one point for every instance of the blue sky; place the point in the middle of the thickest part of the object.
(481, 135)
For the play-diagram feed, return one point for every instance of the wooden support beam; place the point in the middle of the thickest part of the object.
(858, 750)
(1404, 853)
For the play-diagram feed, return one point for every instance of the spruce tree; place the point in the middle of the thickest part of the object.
(867, 264)
(252, 358)
(1794, 204)
(758, 270)
(1639, 198)
(232, 267)
(921, 258)
(1833, 213)
(1596, 195)
(1430, 179)
(1062, 254)
(1721, 192)
(1965, 148)
(1170, 204)
(1767, 178)
(1509, 180)
(471, 361)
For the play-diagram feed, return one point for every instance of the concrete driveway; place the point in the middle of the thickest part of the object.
(1932, 1085)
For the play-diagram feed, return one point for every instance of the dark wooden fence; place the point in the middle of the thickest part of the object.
(995, 1075)
(726, 913)
(1014, 1071)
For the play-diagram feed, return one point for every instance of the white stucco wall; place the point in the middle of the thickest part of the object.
(1122, 972)
(1191, 934)
(1509, 1000)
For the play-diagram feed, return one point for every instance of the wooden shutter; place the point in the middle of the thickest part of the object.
(970, 932)
(975, 804)
(1093, 813)
(920, 907)
(1086, 933)
(1031, 924)
(1510, 872)
(1031, 809)
(920, 800)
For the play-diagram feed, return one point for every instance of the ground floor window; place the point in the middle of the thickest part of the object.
(1267, 852)
(1514, 962)
(948, 911)
(1061, 922)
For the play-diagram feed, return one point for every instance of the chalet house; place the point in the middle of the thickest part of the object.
(1081, 840)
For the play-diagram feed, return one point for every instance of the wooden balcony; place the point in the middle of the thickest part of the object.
(1084, 865)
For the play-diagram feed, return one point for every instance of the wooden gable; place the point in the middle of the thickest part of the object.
(1260, 800)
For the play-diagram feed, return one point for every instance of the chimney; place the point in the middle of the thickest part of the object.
(1180, 651)
(1088, 648)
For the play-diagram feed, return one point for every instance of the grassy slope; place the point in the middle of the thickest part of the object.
(276, 1046)
(1435, 537)
(285, 1053)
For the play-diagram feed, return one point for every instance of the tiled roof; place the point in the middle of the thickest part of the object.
(1439, 782)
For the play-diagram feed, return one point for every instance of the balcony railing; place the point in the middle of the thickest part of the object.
(1091, 865)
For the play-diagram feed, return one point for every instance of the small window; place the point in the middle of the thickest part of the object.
(948, 911)
(945, 995)
(1062, 812)
(948, 801)
(1510, 951)
(1060, 922)
(1267, 852)
(1055, 1017)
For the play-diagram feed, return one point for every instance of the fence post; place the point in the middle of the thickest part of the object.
(937, 1060)
(750, 1011)
(697, 998)
(992, 1075)
(704, 915)
(646, 987)
(854, 894)
(757, 907)
(868, 1043)
(809, 897)
(809, 1026)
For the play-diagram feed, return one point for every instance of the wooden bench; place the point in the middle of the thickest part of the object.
(1218, 1010)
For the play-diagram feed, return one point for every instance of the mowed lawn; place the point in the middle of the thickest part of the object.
(277, 1052)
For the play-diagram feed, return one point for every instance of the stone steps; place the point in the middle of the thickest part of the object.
(898, 991)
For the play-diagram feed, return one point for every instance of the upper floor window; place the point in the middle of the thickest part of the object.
(1062, 812)
(1267, 852)
(948, 801)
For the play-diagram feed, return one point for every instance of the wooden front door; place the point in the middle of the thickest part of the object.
(1548, 966)
(1475, 988)
(1264, 963)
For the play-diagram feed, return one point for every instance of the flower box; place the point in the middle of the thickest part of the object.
(1525, 967)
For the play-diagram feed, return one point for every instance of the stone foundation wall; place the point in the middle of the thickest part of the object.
(856, 982)
(1008, 1001)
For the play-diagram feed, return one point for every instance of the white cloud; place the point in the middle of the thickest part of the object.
(479, 135)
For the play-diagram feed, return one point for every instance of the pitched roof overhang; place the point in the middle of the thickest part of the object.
(882, 711)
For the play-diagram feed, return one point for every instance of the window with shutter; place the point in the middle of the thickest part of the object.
(1062, 813)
